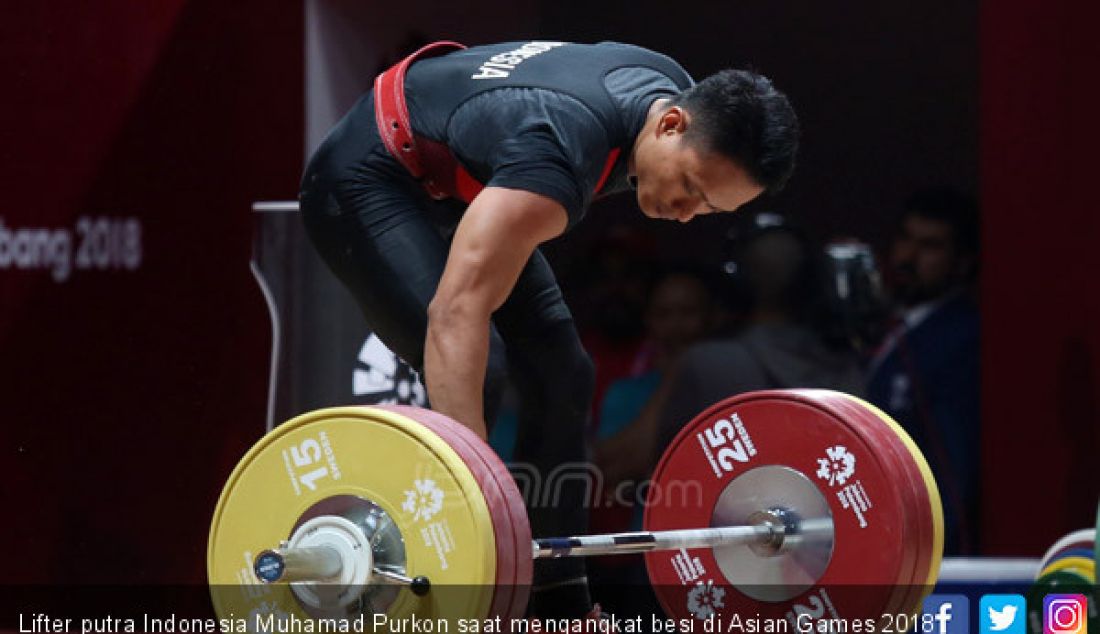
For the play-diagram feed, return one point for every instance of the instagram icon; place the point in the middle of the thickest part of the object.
(1064, 614)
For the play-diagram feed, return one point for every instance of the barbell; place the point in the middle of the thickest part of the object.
(776, 504)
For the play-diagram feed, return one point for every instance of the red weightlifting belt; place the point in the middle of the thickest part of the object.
(430, 162)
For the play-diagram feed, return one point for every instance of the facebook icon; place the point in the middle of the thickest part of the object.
(945, 614)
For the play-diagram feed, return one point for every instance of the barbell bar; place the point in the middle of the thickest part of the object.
(775, 529)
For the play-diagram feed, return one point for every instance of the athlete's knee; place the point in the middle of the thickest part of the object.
(571, 373)
(583, 383)
(496, 377)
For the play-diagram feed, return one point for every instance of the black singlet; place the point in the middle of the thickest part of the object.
(541, 116)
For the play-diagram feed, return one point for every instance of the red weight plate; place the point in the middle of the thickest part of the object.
(919, 537)
(868, 422)
(884, 443)
(776, 433)
(930, 553)
(917, 540)
(915, 586)
(463, 441)
(520, 587)
(520, 523)
(458, 437)
(517, 510)
(927, 488)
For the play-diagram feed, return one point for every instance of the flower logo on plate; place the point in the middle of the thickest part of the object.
(424, 501)
(704, 598)
(838, 467)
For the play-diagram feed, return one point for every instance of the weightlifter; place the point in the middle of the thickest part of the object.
(430, 198)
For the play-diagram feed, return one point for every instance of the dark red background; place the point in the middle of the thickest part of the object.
(126, 397)
(1040, 301)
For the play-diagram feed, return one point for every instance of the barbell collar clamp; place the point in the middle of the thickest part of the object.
(419, 585)
(321, 563)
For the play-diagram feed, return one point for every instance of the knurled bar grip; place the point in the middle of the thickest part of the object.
(625, 543)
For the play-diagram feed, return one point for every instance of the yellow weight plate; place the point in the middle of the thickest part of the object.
(935, 501)
(417, 483)
(1081, 565)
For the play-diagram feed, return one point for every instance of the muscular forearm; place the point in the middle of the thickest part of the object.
(495, 238)
(455, 354)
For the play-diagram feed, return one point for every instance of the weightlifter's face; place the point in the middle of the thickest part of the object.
(678, 179)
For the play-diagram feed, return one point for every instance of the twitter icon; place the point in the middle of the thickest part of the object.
(1002, 614)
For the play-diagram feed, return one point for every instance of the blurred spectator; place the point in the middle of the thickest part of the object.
(793, 337)
(611, 291)
(790, 338)
(925, 373)
(679, 312)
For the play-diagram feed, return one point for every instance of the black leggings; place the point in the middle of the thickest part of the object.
(387, 241)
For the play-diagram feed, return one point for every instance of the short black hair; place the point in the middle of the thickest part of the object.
(952, 207)
(741, 115)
